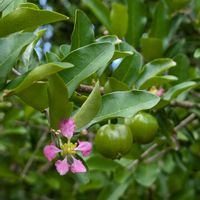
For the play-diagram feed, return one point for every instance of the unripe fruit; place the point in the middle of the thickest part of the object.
(113, 141)
(143, 127)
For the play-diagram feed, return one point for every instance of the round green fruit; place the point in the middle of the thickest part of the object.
(113, 140)
(143, 127)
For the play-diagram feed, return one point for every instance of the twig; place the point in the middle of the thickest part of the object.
(31, 159)
(185, 122)
(158, 155)
(16, 72)
(145, 154)
(196, 94)
(184, 104)
(88, 89)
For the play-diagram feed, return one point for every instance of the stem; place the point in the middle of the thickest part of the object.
(184, 104)
(88, 89)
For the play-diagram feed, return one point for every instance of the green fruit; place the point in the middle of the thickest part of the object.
(113, 141)
(143, 127)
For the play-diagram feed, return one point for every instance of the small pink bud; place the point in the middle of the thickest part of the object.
(77, 166)
(62, 166)
(160, 92)
(67, 128)
(84, 147)
(50, 151)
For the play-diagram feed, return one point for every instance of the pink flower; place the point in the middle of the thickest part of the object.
(50, 151)
(68, 150)
(62, 166)
(160, 92)
(84, 147)
(77, 166)
(67, 128)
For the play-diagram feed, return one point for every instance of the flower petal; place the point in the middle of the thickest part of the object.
(62, 166)
(50, 151)
(77, 166)
(84, 147)
(160, 92)
(67, 127)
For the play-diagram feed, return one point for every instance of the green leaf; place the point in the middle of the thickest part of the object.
(38, 90)
(182, 68)
(119, 19)
(146, 174)
(10, 48)
(25, 17)
(174, 91)
(147, 44)
(129, 69)
(39, 73)
(100, 10)
(154, 68)
(108, 38)
(52, 57)
(83, 33)
(87, 60)
(4, 4)
(160, 24)
(100, 163)
(113, 85)
(197, 53)
(59, 106)
(125, 104)
(158, 81)
(89, 109)
(136, 21)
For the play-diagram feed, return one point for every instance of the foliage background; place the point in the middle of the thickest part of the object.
(161, 29)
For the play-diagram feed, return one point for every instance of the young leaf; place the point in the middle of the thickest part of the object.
(125, 104)
(100, 10)
(26, 17)
(59, 106)
(87, 60)
(83, 33)
(10, 48)
(119, 19)
(89, 109)
(154, 68)
(39, 73)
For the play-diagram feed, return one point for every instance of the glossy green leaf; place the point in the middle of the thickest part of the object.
(146, 174)
(125, 104)
(158, 81)
(160, 24)
(113, 85)
(83, 33)
(38, 90)
(129, 69)
(174, 91)
(86, 60)
(197, 53)
(25, 17)
(119, 19)
(4, 4)
(59, 106)
(39, 73)
(100, 10)
(154, 68)
(147, 44)
(52, 57)
(10, 48)
(136, 21)
(182, 68)
(89, 108)
(108, 38)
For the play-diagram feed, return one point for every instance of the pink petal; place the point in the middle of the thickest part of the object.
(77, 166)
(84, 147)
(160, 92)
(62, 166)
(50, 151)
(67, 127)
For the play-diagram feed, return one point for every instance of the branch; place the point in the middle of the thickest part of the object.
(184, 104)
(88, 89)
(144, 155)
(185, 122)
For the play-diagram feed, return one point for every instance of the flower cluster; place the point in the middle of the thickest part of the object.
(159, 92)
(68, 150)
